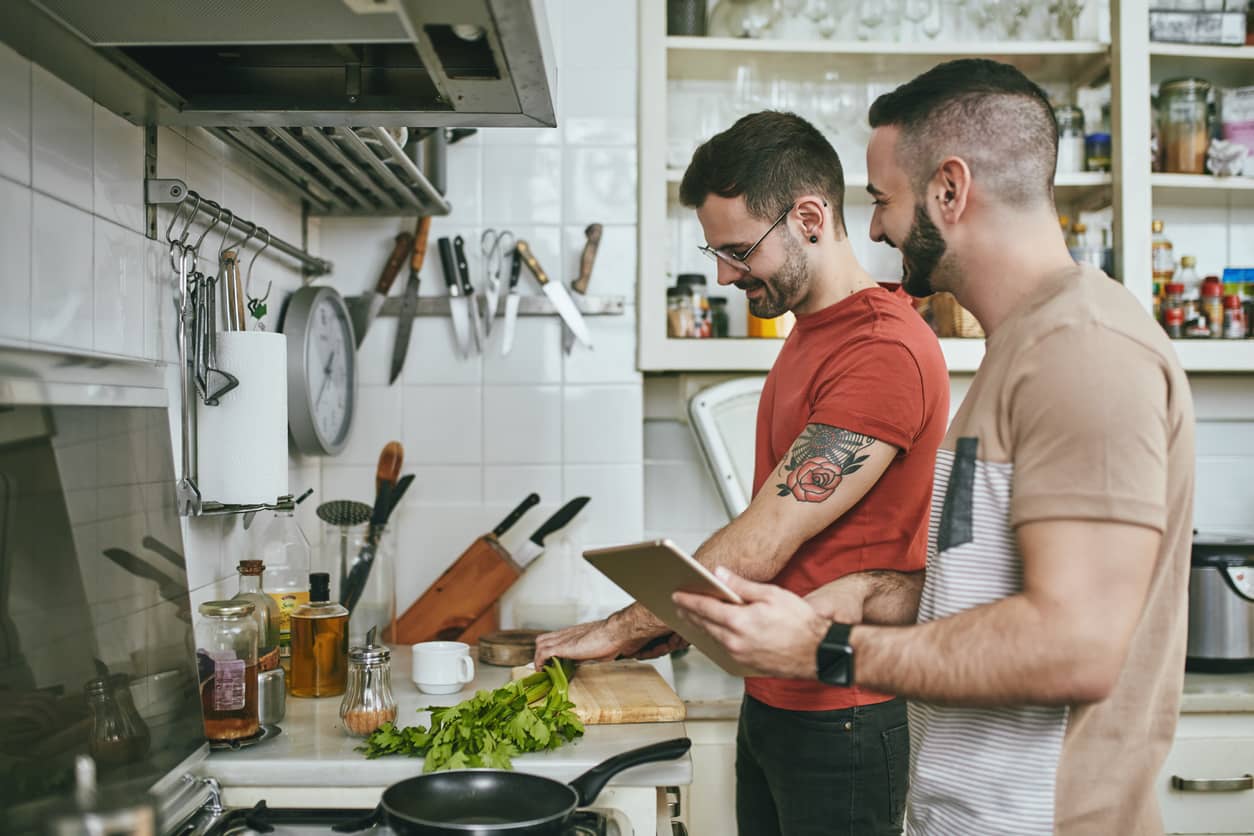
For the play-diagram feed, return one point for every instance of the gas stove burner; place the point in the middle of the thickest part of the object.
(263, 819)
(266, 733)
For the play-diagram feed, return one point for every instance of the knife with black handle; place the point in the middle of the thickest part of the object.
(468, 291)
(459, 311)
(514, 516)
(533, 546)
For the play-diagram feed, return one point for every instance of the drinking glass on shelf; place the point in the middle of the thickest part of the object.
(871, 16)
(1064, 14)
(1014, 15)
(742, 18)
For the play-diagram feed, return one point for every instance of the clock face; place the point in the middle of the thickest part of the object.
(321, 370)
(329, 370)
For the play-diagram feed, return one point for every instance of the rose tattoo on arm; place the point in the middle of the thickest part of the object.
(820, 457)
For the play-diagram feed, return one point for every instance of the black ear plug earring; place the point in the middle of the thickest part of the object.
(814, 239)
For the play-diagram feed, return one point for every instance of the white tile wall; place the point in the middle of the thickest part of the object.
(78, 274)
(481, 433)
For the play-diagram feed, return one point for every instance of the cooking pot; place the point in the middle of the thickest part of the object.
(488, 802)
(1221, 605)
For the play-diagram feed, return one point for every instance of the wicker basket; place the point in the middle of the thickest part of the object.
(948, 318)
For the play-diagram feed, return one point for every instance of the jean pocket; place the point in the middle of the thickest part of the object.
(897, 759)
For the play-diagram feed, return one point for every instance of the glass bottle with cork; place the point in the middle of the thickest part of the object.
(1162, 259)
(226, 658)
(319, 643)
(251, 589)
(286, 553)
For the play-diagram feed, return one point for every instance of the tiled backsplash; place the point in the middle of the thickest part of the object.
(480, 433)
(78, 273)
(681, 502)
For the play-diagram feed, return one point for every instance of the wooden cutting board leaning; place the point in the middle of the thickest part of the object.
(626, 691)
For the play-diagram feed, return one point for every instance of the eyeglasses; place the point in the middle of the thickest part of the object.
(739, 261)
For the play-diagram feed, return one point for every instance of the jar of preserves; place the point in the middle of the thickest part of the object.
(1070, 139)
(368, 702)
(1183, 130)
(226, 657)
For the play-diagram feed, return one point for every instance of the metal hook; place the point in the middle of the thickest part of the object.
(230, 223)
(217, 218)
(187, 225)
(248, 278)
(174, 216)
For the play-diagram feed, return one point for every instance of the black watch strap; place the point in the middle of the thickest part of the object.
(834, 658)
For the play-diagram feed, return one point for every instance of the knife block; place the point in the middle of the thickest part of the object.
(462, 601)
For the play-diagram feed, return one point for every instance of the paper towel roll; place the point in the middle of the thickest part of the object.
(243, 440)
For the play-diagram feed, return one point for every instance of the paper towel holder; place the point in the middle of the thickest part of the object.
(196, 326)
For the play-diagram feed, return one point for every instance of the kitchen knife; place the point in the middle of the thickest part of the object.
(409, 301)
(533, 546)
(458, 305)
(364, 308)
(523, 507)
(580, 285)
(557, 294)
(472, 298)
(511, 302)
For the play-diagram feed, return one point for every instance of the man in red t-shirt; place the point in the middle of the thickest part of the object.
(849, 423)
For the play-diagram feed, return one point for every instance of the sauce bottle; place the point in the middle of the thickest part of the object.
(319, 643)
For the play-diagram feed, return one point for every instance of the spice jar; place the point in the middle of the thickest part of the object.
(1174, 297)
(720, 323)
(1070, 139)
(109, 741)
(679, 316)
(1183, 129)
(1234, 318)
(695, 282)
(226, 657)
(1097, 152)
(1173, 322)
(368, 703)
(1213, 305)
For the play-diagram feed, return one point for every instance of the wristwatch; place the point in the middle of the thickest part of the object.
(834, 657)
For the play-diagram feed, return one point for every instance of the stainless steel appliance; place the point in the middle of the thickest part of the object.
(1221, 605)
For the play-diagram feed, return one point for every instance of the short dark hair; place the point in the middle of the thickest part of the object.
(771, 158)
(988, 113)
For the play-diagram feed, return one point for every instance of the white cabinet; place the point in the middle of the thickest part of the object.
(1209, 747)
(1207, 216)
(708, 804)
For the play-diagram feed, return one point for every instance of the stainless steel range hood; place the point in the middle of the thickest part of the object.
(298, 63)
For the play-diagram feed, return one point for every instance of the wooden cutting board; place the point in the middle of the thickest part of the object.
(627, 691)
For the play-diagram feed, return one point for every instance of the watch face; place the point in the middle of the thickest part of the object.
(329, 371)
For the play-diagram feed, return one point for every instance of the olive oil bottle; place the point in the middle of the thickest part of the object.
(319, 643)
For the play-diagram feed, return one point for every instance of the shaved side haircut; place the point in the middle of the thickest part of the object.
(989, 114)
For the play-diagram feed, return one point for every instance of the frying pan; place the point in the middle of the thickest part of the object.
(496, 802)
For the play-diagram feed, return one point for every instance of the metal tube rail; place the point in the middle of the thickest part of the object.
(171, 191)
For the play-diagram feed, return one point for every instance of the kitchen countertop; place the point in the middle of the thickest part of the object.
(313, 749)
(711, 694)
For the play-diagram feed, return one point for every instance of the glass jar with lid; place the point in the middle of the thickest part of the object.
(226, 658)
(368, 701)
(679, 313)
(1070, 139)
(1183, 130)
(696, 284)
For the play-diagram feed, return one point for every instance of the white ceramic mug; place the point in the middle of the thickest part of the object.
(442, 667)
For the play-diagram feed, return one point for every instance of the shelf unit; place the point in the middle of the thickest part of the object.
(1130, 63)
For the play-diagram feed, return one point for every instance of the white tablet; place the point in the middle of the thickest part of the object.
(650, 572)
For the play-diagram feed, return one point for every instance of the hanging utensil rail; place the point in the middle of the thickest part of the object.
(169, 191)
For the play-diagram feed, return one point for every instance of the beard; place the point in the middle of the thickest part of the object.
(921, 253)
(783, 290)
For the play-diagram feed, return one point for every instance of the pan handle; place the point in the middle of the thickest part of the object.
(589, 785)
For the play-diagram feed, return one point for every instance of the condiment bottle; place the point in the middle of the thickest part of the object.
(286, 554)
(1162, 261)
(368, 703)
(1234, 318)
(1213, 305)
(109, 742)
(319, 643)
(1173, 322)
(226, 657)
(266, 612)
(679, 313)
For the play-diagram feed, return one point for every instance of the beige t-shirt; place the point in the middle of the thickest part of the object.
(1080, 410)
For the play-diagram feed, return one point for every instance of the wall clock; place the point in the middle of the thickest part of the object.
(321, 370)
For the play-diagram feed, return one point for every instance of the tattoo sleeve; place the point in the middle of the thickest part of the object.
(820, 457)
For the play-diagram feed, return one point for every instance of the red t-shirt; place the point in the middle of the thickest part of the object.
(868, 364)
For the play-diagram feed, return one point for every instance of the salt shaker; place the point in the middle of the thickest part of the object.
(368, 702)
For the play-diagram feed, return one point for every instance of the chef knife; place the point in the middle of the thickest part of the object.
(458, 304)
(533, 546)
(364, 308)
(523, 507)
(409, 301)
(580, 285)
(557, 294)
(472, 298)
(511, 302)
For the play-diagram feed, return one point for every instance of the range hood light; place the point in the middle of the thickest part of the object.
(468, 32)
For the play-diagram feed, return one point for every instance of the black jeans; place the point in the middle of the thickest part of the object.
(822, 773)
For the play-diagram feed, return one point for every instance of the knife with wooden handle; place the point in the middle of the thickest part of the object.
(558, 295)
(580, 285)
(364, 308)
(409, 301)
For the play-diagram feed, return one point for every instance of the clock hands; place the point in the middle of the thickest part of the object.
(326, 378)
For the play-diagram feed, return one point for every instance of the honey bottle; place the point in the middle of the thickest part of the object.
(319, 643)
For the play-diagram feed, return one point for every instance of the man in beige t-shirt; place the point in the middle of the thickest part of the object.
(1046, 667)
